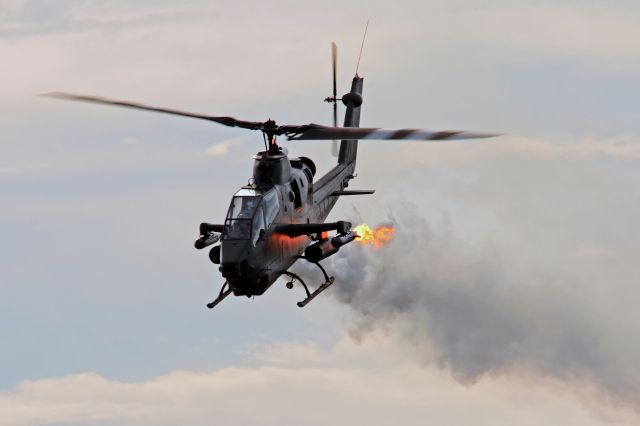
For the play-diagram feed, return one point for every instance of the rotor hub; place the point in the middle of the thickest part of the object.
(352, 99)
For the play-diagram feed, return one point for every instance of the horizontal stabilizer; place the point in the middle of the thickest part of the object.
(355, 192)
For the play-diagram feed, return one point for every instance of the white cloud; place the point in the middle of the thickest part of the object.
(129, 141)
(22, 168)
(193, 51)
(504, 150)
(222, 148)
(8, 8)
(595, 28)
(339, 386)
(590, 250)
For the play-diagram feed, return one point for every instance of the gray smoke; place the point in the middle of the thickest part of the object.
(468, 310)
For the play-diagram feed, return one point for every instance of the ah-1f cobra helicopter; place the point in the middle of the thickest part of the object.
(279, 217)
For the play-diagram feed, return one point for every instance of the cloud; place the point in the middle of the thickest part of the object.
(92, 40)
(222, 148)
(22, 169)
(506, 148)
(129, 141)
(530, 271)
(590, 28)
(312, 386)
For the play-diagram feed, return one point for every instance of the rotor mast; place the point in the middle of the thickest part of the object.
(270, 131)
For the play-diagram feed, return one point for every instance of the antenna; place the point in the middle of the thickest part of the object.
(362, 45)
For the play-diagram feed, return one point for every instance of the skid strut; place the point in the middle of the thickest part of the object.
(224, 292)
(310, 296)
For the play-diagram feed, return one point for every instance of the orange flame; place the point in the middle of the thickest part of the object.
(378, 237)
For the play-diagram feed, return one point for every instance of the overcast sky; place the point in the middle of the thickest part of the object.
(509, 295)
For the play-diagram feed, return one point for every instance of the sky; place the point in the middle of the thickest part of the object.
(508, 295)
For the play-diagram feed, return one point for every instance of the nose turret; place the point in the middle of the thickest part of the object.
(236, 269)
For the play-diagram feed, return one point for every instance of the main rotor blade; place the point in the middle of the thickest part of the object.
(227, 121)
(319, 132)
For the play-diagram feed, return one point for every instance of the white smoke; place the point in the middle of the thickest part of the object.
(466, 309)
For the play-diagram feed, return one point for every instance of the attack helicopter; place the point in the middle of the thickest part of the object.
(279, 217)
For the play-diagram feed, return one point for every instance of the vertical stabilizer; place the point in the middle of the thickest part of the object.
(353, 102)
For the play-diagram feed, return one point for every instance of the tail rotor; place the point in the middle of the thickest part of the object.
(334, 99)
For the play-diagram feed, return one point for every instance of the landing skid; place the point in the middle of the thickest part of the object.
(310, 296)
(224, 292)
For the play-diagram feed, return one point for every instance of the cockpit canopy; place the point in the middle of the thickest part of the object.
(250, 213)
(240, 217)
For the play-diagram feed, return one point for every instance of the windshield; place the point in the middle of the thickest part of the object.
(243, 207)
(239, 218)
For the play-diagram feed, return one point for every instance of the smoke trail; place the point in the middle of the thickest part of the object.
(467, 310)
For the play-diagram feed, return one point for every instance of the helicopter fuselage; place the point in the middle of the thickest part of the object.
(253, 253)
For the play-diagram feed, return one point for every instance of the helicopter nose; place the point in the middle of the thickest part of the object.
(236, 270)
(233, 255)
(245, 280)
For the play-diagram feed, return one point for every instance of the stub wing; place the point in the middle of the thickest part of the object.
(298, 229)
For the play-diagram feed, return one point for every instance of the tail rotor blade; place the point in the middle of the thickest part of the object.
(334, 143)
(334, 65)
